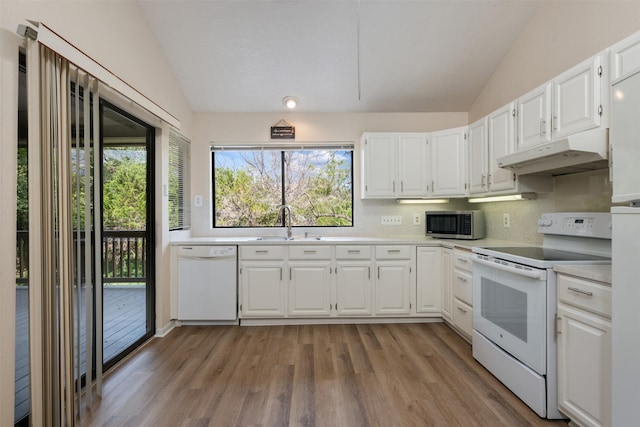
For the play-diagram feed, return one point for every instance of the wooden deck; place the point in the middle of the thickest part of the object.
(124, 323)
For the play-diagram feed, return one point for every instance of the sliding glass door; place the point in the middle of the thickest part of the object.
(119, 169)
(126, 157)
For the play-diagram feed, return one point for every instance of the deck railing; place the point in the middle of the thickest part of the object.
(124, 256)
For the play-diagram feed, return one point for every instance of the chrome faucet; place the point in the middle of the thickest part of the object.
(287, 210)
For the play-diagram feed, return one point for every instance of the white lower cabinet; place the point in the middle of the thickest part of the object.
(584, 351)
(393, 287)
(461, 311)
(429, 279)
(446, 262)
(262, 289)
(393, 280)
(353, 288)
(310, 284)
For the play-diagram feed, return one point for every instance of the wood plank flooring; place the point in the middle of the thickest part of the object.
(319, 375)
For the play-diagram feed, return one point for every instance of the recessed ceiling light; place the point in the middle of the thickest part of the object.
(290, 102)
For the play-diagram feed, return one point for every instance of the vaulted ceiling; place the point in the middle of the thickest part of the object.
(335, 56)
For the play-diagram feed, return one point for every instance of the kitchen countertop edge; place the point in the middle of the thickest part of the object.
(599, 273)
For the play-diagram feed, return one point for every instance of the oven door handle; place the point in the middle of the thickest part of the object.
(533, 274)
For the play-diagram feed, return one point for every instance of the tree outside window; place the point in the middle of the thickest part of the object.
(250, 185)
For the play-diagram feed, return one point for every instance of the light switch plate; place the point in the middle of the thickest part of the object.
(506, 220)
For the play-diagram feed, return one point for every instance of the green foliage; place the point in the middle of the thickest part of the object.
(124, 193)
(317, 185)
(22, 204)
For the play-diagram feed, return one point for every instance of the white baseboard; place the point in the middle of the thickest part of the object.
(162, 332)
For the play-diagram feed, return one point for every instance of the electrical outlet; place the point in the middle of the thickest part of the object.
(506, 220)
(391, 220)
(197, 201)
(417, 218)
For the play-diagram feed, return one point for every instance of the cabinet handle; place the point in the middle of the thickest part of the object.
(482, 182)
(463, 260)
(462, 309)
(281, 274)
(580, 291)
(261, 252)
(378, 273)
(393, 251)
(369, 273)
(462, 279)
(543, 127)
(402, 186)
(290, 277)
(353, 251)
(310, 252)
(433, 187)
(394, 186)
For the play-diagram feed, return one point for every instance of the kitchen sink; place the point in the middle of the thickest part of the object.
(284, 238)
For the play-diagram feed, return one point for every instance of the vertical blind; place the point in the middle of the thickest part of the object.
(179, 197)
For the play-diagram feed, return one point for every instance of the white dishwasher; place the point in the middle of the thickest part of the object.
(207, 283)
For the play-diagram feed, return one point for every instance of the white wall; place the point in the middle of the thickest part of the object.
(561, 34)
(255, 127)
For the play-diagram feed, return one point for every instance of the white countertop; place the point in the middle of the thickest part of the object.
(599, 273)
(342, 240)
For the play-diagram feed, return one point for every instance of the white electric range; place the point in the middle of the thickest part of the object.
(514, 301)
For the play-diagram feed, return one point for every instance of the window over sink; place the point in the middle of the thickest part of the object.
(251, 182)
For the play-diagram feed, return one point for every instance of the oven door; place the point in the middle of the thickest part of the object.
(509, 308)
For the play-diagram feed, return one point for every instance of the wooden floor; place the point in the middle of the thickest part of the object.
(321, 375)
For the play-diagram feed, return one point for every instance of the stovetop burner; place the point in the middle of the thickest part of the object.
(546, 254)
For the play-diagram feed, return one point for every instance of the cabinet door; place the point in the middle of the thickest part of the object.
(354, 288)
(446, 257)
(428, 280)
(624, 57)
(393, 287)
(584, 367)
(534, 117)
(448, 162)
(478, 150)
(262, 289)
(576, 105)
(310, 288)
(412, 165)
(501, 142)
(380, 165)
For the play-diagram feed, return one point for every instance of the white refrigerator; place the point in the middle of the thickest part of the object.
(625, 154)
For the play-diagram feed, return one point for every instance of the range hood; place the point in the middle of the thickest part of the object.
(580, 152)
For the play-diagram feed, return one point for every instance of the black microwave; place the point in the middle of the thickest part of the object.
(467, 225)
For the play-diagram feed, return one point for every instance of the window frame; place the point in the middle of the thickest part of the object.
(335, 146)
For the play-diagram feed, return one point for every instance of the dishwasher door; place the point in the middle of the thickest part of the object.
(207, 283)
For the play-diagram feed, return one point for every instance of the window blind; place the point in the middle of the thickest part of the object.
(179, 197)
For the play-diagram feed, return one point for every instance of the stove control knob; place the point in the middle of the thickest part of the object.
(545, 222)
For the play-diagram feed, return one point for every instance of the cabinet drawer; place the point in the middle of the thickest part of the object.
(592, 296)
(463, 316)
(462, 260)
(353, 252)
(262, 252)
(309, 252)
(462, 286)
(393, 252)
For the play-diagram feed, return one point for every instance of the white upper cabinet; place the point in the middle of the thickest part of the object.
(380, 165)
(577, 98)
(572, 102)
(394, 165)
(449, 162)
(534, 117)
(478, 157)
(412, 165)
(501, 125)
(624, 57)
